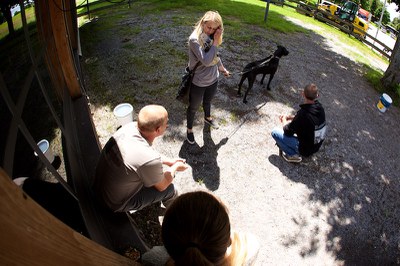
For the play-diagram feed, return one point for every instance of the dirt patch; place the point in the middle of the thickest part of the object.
(341, 206)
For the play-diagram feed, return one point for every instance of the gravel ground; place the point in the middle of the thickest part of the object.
(340, 207)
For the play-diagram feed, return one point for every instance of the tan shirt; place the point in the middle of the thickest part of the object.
(127, 163)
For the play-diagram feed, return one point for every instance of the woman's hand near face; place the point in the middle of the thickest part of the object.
(217, 37)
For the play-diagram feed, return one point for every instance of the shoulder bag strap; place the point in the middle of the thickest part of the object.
(198, 63)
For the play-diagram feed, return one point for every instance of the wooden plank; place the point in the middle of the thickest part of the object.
(45, 33)
(72, 23)
(63, 47)
(32, 236)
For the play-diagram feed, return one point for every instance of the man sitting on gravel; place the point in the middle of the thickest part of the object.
(305, 132)
(130, 174)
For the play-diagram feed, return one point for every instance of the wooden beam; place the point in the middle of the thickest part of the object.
(62, 38)
(32, 236)
(72, 23)
(45, 33)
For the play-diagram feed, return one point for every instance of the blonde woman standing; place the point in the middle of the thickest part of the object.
(203, 54)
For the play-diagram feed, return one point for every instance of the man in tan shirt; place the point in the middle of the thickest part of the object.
(130, 173)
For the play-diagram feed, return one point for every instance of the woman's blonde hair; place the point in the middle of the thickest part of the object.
(238, 254)
(213, 16)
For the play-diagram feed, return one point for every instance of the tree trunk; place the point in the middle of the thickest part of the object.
(7, 15)
(391, 78)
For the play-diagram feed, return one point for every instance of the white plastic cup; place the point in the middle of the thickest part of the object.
(44, 146)
(124, 113)
(384, 102)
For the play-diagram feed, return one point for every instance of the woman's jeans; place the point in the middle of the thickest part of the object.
(196, 96)
(288, 144)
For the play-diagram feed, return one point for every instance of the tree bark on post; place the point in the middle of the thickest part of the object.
(59, 23)
(391, 78)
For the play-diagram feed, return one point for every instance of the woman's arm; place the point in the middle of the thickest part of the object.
(197, 52)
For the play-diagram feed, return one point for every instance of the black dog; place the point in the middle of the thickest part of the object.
(265, 66)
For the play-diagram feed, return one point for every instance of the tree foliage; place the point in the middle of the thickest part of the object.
(365, 4)
(374, 6)
(395, 23)
(386, 15)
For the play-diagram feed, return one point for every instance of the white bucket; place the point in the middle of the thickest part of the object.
(44, 146)
(384, 102)
(124, 113)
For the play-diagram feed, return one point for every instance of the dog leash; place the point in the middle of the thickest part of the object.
(251, 69)
(245, 120)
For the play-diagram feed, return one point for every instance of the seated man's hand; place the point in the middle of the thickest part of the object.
(170, 162)
(180, 166)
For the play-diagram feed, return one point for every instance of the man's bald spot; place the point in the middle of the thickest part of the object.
(151, 117)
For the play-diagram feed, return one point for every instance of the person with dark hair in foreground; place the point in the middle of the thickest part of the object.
(196, 230)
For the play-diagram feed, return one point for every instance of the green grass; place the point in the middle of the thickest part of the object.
(374, 77)
(17, 21)
(93, 4)
(234, 12)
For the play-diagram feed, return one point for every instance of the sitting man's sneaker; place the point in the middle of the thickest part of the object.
(190, 138)
(292, 159)
(212, 123)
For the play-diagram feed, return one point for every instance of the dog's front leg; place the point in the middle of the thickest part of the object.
(269, 81)
(239, 93)
(251, 82)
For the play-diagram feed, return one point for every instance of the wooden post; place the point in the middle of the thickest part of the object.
(46, 36)
(58, 15)
(71, 22)
(32, 236)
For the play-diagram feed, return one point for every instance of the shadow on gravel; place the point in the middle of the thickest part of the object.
(203, 160)
(150, 228)
(363, 209)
